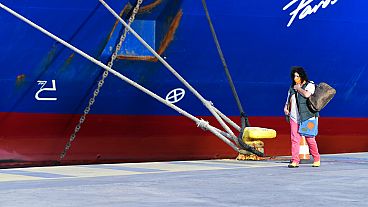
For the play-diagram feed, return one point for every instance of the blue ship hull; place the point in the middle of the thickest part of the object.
(260, 41)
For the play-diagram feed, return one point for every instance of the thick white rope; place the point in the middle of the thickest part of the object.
(227, 119)
(171, 69)
(205, 125)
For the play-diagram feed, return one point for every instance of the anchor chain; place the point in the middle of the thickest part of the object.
(101, 82)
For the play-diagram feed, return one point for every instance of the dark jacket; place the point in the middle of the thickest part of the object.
(304, 112)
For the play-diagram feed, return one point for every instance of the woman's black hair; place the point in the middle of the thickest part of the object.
(300, 70)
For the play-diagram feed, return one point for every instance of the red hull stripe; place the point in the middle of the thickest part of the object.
(39, 138)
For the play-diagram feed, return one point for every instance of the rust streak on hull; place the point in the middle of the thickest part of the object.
(170, 34)
(126, 8)
(164, 44)
(150, 6)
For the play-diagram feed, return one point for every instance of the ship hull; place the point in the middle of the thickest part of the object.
(260, 44)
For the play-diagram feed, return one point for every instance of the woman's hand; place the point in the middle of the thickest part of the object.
(297, 87)
(286, 111)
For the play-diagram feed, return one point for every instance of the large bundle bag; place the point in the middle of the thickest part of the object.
(322, 95)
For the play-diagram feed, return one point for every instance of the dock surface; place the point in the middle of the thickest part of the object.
(342, 180)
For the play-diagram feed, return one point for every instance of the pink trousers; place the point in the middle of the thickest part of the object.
(295, 142)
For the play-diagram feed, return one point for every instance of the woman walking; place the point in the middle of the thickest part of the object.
(297, 111)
